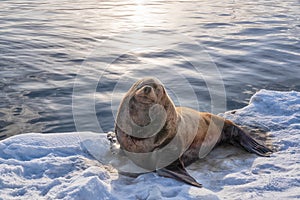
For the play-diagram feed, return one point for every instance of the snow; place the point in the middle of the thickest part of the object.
(82, 166)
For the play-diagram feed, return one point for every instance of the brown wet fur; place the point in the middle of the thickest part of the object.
(209, 125)
(206, 119)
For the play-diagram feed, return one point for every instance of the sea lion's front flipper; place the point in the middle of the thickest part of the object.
(177, 171)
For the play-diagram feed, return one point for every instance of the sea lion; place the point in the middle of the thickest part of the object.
(160, 137)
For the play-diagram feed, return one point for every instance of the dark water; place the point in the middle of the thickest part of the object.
(71, 60)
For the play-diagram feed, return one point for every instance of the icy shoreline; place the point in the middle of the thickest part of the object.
(59, 166)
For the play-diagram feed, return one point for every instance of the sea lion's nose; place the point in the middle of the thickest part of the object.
(147, 89)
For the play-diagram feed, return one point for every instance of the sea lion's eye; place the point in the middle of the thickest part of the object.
(139, 86)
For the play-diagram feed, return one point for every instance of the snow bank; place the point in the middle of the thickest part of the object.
(63, 165)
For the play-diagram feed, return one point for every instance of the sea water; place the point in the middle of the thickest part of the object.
(66, 64)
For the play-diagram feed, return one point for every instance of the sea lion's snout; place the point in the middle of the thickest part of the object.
(146, 94)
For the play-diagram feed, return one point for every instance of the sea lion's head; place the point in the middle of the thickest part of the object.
(146, 104)
(147, 94)
(148, 91)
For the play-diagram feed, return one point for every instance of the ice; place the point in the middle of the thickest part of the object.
(81, 165)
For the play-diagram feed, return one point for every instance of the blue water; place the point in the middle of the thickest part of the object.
(65, 63)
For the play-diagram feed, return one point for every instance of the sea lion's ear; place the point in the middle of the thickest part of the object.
(177, 171)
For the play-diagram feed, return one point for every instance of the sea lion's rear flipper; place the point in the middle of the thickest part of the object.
(177, 171)
(253, 146)
(240, 137)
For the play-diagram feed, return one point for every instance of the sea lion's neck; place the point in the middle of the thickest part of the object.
(168, 132)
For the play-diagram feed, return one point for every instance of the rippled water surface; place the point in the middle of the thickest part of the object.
(92, 51)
